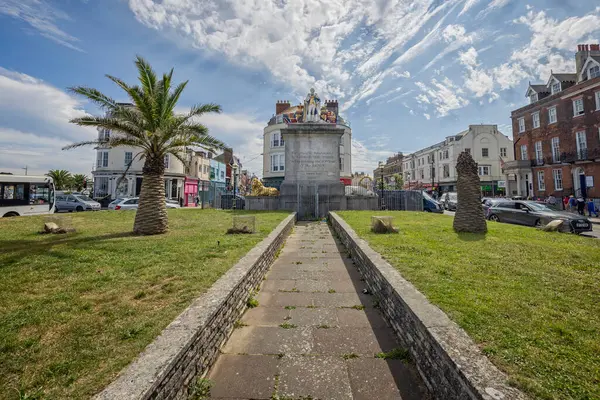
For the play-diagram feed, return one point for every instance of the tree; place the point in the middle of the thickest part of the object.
(469, 215)
(398, 181)
(151, 125)
(78, 182)
(61, 178)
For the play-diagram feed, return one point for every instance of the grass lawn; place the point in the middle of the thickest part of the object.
(77, 308)
(529, 299)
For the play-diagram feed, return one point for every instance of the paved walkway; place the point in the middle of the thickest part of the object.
(314, 334)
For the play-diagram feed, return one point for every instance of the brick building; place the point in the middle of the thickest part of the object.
(557, 136)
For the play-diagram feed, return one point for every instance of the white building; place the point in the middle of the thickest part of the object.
(274, 145)
(435, 166)
(112, 179)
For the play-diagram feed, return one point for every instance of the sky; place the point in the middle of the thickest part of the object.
(406, 73)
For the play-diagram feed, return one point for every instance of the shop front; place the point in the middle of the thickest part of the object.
(190, 191)
(494, 188)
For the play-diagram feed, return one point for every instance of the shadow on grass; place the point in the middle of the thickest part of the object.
(15, 250)
(471, 237)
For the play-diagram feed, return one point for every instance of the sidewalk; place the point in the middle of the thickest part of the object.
(314, 334)
(595, 221)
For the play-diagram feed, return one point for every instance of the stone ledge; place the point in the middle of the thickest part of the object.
(189, 345)
(447, 358)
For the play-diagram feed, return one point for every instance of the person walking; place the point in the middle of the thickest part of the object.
(591, 207)
(572, 203)
(580, 205)
(565, 202)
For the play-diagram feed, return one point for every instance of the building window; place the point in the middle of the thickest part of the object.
(552, 115)
(422, 174)
(555, 87)
(533, 97)
(555, 150)
(557, 175)
(541, 184)
(102, 161)
(223, 175)
(104, 135)
(445, 154)
(536, 119)
(539, 156)
(276, 140)
(502, 151)
(578, 107)
(581, 145)
(468, 151)
(524, 152)
(277, 162)
(594, 72)
(597, 100)
(166, 161)
(484, 170)
(485, 152)
(446, 171)
(521, 125)
(128, 158)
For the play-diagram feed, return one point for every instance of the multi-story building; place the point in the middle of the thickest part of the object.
(274, 144)
(392, 166)
(557, 135)
(435, 166)
(361, 179)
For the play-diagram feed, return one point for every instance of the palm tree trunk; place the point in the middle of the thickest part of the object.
(151, 216)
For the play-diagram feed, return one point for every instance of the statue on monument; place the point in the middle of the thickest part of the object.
(312, 107)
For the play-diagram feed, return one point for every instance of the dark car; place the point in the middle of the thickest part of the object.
(535, 214)
(487, 203)
(431, 205)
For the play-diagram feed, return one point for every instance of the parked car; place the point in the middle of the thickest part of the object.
(132, 203)
(227, 202)
(487, 203)
(431, 205)
(75, 202)
(535, 214)
(449, 201)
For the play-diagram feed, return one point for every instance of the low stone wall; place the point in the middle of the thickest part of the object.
(188, 347)
(262, 203)
(447, 358)
(362, 203)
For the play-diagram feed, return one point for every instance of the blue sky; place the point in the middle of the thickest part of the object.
(406, 73)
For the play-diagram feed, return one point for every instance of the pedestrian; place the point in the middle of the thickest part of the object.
(572, 203)
(196, 201)
(580, 205)
(592, 208)
(181, 202)
(565, 202)
(551, 200)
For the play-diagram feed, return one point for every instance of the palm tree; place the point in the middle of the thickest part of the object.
(151, 125)
(61, 178)
(78, 181)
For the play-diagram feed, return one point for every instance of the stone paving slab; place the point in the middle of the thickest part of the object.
(269, 340)
(231, 374)
(311, 313)
(314, 377)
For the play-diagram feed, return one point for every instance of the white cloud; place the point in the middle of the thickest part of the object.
(42, 17)
(468, 5)
(445, 96)
(365, 159)
(427, 116)
(493, 6)
(477, 80)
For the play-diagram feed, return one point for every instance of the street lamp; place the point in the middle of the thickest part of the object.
(235, 167)
(381, 186)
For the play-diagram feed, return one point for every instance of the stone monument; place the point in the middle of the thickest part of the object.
(312, 183)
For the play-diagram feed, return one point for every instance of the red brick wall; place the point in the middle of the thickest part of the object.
(565, 128)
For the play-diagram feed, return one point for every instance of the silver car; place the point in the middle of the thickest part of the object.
(132, 203)
(535, 214)
(75, 202)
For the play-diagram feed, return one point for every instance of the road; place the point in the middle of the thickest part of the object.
(594, 234)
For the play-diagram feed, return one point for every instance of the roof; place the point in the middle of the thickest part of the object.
(537, 88)
(565, 77)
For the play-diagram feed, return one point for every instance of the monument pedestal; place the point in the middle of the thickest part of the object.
(312, 184)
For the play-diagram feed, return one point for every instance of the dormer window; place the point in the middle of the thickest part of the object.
(594, 72)
(533, 97)
(555, 87)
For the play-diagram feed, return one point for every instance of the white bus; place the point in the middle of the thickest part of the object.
(26, 195)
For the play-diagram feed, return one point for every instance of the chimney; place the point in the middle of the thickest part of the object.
(281, 106)
(332, 105)
(583, 52)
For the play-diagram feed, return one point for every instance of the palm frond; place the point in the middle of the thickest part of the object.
(95, 96)
(111, 123)
(174, 97)
(119, 82)
(178, 154)
(86, 143)
(147, 76)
